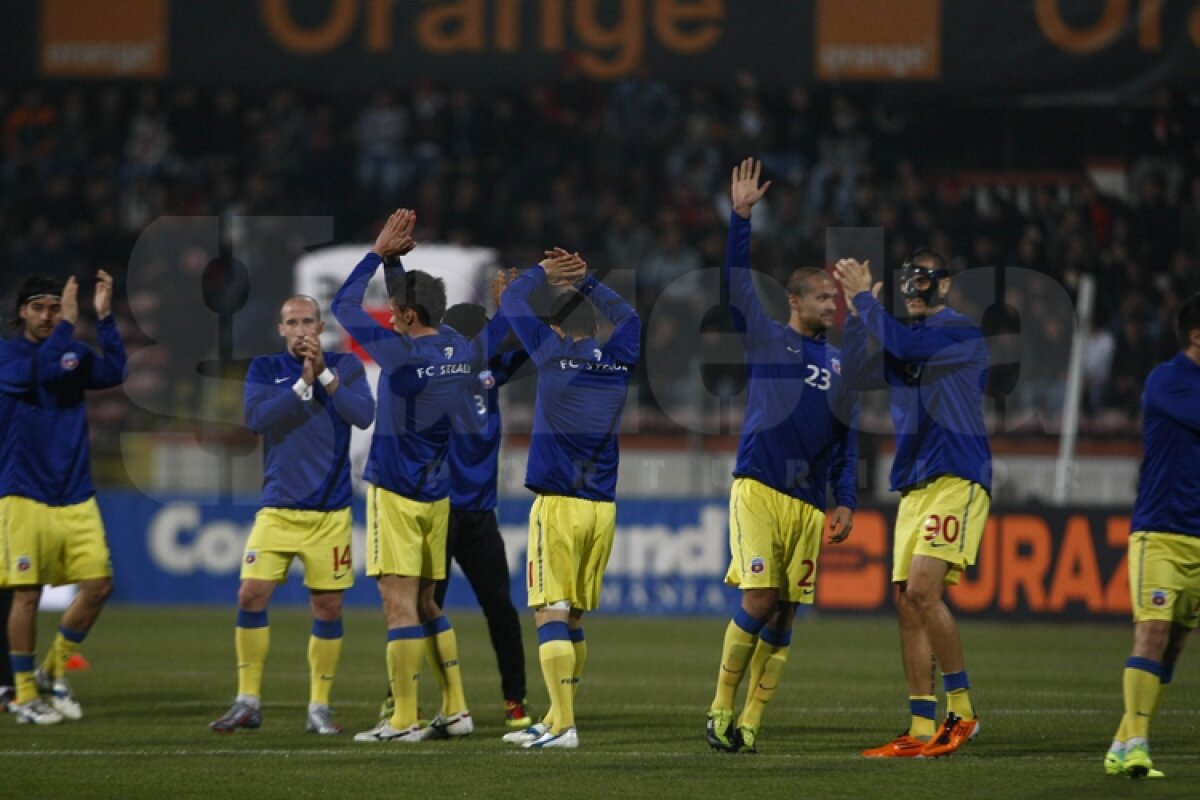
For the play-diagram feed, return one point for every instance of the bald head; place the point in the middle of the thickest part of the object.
(300, 319)
(301, 303)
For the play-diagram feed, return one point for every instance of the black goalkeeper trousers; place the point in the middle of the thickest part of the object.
(474, 541)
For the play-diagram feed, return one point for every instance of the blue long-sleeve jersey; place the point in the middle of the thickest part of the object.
(1168, 498)
(306, 445)
(475, 436)
(581, 392)
(44, 453)
(934, 370)
(422, 380)
(799, 433)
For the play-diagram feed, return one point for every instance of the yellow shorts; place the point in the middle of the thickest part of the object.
(406, 537)
(942, 518)
(1164, 577)
(774, 541)
(570, 540)
(56, 545)
(320, 539)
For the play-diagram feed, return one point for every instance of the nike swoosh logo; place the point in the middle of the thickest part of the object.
(792, 349)
(281, 380)
(337, 576)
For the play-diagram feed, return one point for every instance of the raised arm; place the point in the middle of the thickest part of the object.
(745, 191)
(108, 368)
(863, 367)
(949, 344)
(535, 335)
(388, 348)
(625, 344)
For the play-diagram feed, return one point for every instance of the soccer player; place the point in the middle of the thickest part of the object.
(572, 468)
(797, 438)
(934, 370)
(50, 526)
(1164, 548)
(473, 535)
(426, 368)
(303, 403)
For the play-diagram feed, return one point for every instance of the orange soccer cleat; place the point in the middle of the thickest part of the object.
(903, 746)
(954, 733)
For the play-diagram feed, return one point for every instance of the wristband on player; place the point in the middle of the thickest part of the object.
(327, 377)
(302, 389)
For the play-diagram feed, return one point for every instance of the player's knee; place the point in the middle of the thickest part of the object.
(96, 592)
(759, 603)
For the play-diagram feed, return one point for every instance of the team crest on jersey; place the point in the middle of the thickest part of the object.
(1158, 597)
(251, 556)
(448, 352)
(69, 360)
(757, 565)
(23, 564)
(835, 364)
(487, 379)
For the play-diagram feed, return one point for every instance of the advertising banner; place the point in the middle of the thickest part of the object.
(348, 46)
(669, 558)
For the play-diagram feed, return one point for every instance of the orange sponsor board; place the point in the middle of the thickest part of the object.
(878, 40)
(104, 38)
(1059, 563)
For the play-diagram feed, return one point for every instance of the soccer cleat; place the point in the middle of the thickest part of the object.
(1114, 763)
(567, 740)
(8, 697)
(36, 712)
(516, 715)
(384, 732)
(954, 733)
(719, 731)
(320, 720)
(745, 739)
(451, 727)
(530, 734)
(240, 715)
(58, 692)
(1137, 763)
(903, 746)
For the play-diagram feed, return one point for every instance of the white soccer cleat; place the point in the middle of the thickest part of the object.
(58, 692)
(36, 712)
(451, 727)
(568, 740)
(320, 721)
(530, 734)
(384, 732)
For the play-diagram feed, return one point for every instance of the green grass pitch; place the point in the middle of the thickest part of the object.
(1048, 695)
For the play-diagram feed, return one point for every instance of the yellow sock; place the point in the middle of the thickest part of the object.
(1141, 690)
(404, 650)
(923, 724)
(762, 691)
(23, 681)
(252, 641)
(324, 652)
(429, 647)
(741, 634)
(581, 653)
(758, 661)
(557, 656)
(445, 646)
(959, 702)
(66, 642)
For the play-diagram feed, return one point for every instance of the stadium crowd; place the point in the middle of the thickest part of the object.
(632, 174)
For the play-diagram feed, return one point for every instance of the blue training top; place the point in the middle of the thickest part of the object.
(44, 453)
(423, 380)
(581, 391)
(1168, 498)
(799, 429)
(934, 370)
(475, 436)
(306, 445)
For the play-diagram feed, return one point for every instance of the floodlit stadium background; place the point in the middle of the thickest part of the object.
(1055, 143)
